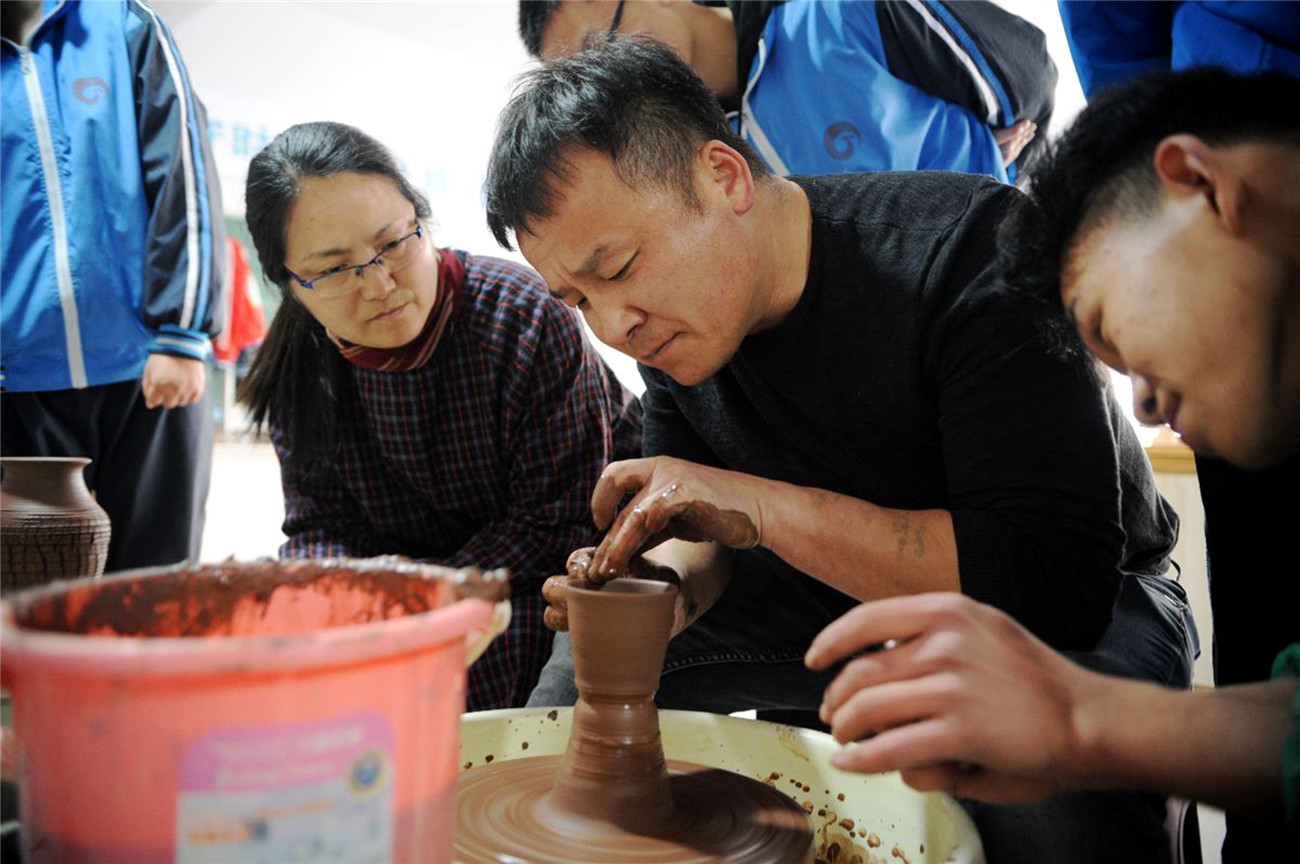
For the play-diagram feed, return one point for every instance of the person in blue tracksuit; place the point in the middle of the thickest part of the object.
(830, 88)
(111, 253)
(1112, 43)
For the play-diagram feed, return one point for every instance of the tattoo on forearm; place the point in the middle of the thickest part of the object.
(903, 528)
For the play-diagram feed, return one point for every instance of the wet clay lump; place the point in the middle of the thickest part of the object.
(612, 796)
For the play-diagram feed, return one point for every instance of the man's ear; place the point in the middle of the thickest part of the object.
(726, 173)
(1187, 167)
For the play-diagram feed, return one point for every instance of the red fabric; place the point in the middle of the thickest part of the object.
(244, 316)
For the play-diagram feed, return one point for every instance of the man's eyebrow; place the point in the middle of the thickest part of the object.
(593, 262)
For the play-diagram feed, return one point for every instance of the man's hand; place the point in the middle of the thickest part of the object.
(963, 699)
(1013, 139)
(553, 589)
(172, 382)
(672, 498)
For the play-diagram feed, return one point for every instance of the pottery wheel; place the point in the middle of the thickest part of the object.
(503, 814)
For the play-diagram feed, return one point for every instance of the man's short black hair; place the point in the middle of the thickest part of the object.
(534, 15)
(1101, 169)
(628, 97)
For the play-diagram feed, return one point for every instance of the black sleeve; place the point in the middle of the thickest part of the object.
(972, 53)
(1032, 454)
(185, 251)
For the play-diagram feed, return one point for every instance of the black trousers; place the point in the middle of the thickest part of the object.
(1249, 523)
(149, 470)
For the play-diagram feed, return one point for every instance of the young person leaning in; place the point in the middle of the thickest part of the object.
(1164, 236)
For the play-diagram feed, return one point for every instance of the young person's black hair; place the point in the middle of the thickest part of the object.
(534, 15)
(1101, 169)
(628, 97)
(296, 375)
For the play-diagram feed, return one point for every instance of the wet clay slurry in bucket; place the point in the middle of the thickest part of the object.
(612, 796)
(256, 599)
(268, 711)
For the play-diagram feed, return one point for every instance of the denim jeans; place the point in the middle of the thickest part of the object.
(747, 653)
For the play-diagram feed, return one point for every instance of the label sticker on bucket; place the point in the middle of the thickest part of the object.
(319, 791)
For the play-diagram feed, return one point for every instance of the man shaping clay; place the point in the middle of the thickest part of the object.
(842, 402)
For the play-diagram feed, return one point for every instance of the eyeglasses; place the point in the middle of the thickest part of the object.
(618, 17)
(342, 281)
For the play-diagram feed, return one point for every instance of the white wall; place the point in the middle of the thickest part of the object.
(426, 77)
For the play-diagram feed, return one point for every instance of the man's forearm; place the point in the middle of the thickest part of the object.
(704, 570)
(1222, 747)
(866, 551)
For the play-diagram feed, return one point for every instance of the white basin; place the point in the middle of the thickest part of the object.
(876, 817)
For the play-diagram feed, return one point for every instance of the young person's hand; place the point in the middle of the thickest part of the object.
(556, 616)
(962, 698)
(1013, 139)
(672, 498)
(172, 382)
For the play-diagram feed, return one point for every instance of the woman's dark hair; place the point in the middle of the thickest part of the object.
(628, 97)
(1101, 169)
(296, 378)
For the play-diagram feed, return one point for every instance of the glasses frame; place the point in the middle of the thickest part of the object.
(618, 18)
(358, 269)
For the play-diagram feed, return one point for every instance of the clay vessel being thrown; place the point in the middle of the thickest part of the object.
(50, 525)
(613, 769)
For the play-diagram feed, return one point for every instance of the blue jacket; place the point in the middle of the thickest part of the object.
(1113, 42)
(111, 235)
(865, 86)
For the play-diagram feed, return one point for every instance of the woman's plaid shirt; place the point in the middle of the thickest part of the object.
(485, 456)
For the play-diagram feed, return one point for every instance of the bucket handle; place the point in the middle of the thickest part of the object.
(477, 641)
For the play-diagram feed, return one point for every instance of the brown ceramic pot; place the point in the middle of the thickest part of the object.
(50, 526)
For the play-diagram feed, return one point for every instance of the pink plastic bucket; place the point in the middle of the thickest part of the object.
(242, 712)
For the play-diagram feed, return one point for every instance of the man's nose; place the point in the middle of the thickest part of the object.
(1145, 405)
(615, 324)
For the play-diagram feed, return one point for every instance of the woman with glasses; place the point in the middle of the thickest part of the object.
(423, 402)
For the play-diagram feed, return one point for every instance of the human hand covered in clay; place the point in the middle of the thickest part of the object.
(672, 498)
(966, 700)
(556, 616)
